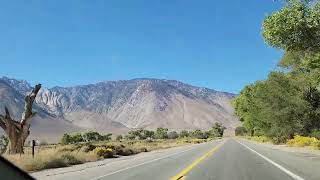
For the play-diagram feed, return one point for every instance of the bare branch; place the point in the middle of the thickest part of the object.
(7, 116)
(29, 99)
(2, 122)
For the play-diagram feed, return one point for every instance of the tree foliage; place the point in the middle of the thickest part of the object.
(90, 136)
(295, 27)
(161, 133)
(4, 141)
(288, 101)
(241, 131)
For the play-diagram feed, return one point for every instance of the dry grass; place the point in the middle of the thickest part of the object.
(64, 156)
(51, 158)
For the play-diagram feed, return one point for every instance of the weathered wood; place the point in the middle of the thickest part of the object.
(27, 114)
(19, 131)
(2, 122)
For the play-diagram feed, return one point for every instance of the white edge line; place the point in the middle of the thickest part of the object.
(294, 176)
(130, 167)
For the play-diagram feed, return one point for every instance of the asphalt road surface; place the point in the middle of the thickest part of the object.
(226, 159)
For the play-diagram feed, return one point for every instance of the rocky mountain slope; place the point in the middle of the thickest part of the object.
(118, 106)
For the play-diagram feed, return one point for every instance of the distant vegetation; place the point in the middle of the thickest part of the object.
(90, 136)
(287, 103)
(78, 148)
(217, 130)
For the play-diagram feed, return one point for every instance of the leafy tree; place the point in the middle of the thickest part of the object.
(4, 141)
(129, 137)
(76, 138)
(92, 136)
(147, 134)
(173, 135)
(295, 27)
(119, 138)
(161, 133)
(217, 130)
(106, 137)
(197, 134)
(66, 139)
(288, 102)
(136, 134)
(241, 131)
(184, 134)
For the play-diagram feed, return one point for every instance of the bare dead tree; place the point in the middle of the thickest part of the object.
(18, 132)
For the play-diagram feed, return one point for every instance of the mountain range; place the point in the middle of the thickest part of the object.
(118, 106)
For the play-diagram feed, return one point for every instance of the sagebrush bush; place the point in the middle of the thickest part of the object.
(87, 148)
(104, 152)
(302, 141)
(316, 144)
(67, 155)
(70, 159)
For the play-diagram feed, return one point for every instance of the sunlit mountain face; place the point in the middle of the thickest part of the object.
(118, 106)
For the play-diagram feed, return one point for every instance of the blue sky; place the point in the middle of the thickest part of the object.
(215, 44)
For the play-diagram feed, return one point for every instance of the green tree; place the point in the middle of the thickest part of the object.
(198, 134)
(288, 102)
(147, 134)
(295, 27)
(161, 133)
(119, 138)
(66, 139)
(217, 130)
(4, 141)
(241, 131)
(106, 137)
(76, 138)
(184, 134)
(173, 135)
(92, 136)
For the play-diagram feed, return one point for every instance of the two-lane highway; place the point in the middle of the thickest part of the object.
(226, 159)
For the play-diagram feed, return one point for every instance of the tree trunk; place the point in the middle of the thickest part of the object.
(18, 132)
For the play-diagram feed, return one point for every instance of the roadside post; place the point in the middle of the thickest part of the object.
(33, 145)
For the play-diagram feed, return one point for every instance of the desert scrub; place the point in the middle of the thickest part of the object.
(47, 159)
(67, 155)
(104, 152)
(302, 141)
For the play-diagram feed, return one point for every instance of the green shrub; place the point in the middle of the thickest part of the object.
(315, 133)
(302, 141)
(119, 138)
(241, 131)
(69, 159)
(4, 141)
(316, 144)
(173, 135)
(104, 152)
(184, 134)
(54, 163)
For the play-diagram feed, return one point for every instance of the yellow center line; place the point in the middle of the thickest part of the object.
(181, 175)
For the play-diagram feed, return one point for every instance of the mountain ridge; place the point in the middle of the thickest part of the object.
(121, 105)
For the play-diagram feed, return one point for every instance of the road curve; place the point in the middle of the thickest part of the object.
(227, 159)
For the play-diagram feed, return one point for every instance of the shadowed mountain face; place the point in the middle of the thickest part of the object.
(118, 106)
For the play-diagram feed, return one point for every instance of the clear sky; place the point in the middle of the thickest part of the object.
(209, 43)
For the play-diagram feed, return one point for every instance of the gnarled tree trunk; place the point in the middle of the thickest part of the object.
(18, 132)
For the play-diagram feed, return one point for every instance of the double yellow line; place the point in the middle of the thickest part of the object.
(180, 176)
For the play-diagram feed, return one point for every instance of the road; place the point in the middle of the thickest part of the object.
(226, 159)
